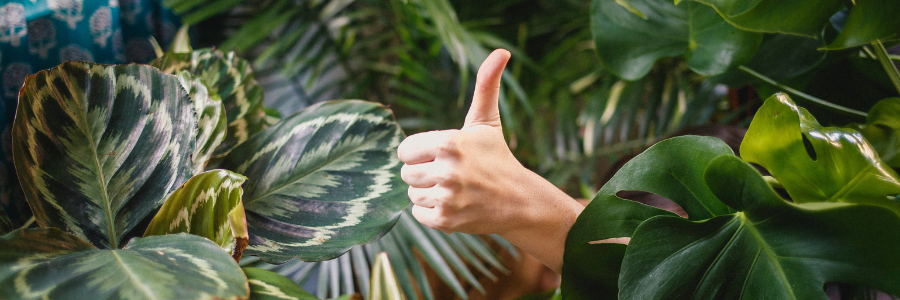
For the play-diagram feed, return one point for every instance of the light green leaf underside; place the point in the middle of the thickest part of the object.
(50, 264)
(266, 285)
(629, 45)
(101, 146)
(201, 207)
(846, 167)
(321, 181)
(211, 122)
(771, 249)
(231, 77)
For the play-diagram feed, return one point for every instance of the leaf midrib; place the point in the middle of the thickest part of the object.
(314, 170)
(132, 277)
(113, 241)
(771, 255)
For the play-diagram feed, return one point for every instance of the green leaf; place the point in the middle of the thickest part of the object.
(266, 285)
(321, 181)
(837, 164)
(203, 206)
(869, 21)
(51, 264)
(882, 130)
(211, 124)
(384, 285)
(771, 249)
(230, 77)
(805, 18)
(672, 168)
(629, 45)
(98, 147)
(780, 57)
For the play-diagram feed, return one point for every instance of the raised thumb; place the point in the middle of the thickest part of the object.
(485, 109)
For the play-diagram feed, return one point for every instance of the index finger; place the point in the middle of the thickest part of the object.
(421, 147)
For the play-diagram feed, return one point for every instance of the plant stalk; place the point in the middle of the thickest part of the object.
(28, 223)
(800, 94)
(886, 62)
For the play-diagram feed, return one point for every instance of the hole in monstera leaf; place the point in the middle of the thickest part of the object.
(809, 147)
(840, 291)
(653, 200)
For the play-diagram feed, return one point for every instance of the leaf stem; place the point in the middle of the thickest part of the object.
(886, 62)
(29, 222)
(800, 94)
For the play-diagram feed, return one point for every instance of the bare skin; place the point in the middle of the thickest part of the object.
(468, 181)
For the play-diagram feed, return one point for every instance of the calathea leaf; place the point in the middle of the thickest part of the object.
(208, 205)
(230, 77)
(266, 285)
(51, 264)
(321, 181)
(98, 147)
(629, 45)
(672, 168)
(816, 163)
(882, 130)
(770, 249)
(211, 122)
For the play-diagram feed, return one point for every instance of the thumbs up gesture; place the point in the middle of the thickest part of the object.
(468, 181)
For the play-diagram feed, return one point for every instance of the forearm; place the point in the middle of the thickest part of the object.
(544, 223)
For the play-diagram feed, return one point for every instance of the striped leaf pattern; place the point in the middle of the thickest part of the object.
(211, 121)
(232, 79)
(267, 285)
(98, 147)
(208, 205)
(51, 264)
(321, 181)
(5, 224)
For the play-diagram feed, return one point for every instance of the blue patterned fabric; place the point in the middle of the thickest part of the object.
(40, 34)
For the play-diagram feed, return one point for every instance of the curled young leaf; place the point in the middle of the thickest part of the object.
(207, 205)
(211, 122)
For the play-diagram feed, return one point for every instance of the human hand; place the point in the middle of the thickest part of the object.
(468, 181)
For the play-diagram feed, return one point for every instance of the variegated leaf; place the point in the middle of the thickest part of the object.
(321, 181)
(384, 284)
(267, 285)
(211, 122)
(98, 147)
(208, 205)
(232, 78)
(51, 264)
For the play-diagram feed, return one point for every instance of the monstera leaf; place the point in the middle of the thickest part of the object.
(868, 21)
(266, 285)
(882, 129)
(232, 79)
(770, 249)
(629, 45)
(672, 168)
(51, 264)
(321, 181)
(98, 147)
(816, 163)
(208, 205)
(211, 122)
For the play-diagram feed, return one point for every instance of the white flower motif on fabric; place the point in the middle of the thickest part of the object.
(75, 52)
(113, 3)
(14, 77)
(129, 10)
(41, 37)
(69, 11)
(12, 23)
(118, 46)
(101, 26)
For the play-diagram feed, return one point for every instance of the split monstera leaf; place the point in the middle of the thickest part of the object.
(99, 148)
(741, 240)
